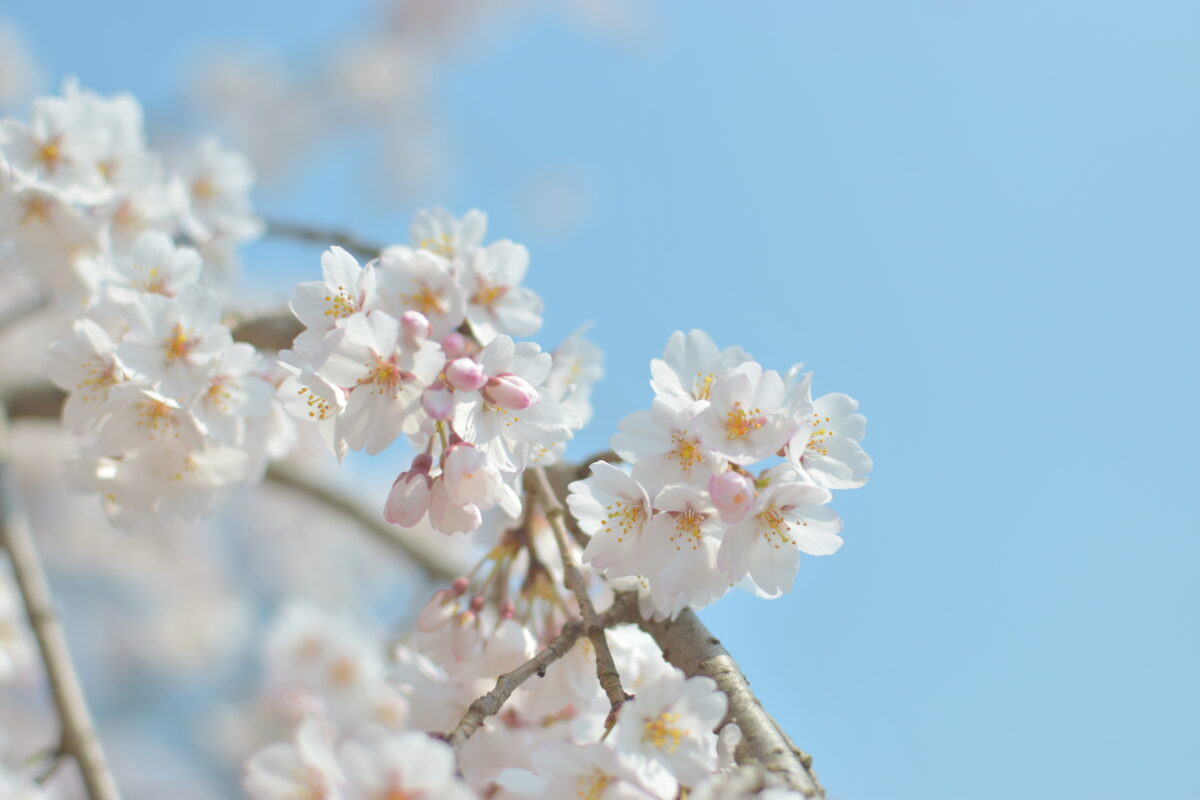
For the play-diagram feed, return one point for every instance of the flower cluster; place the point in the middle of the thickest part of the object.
(419, 343)
(326, 681)
(173, 411)
(690, 518)
(79, 185)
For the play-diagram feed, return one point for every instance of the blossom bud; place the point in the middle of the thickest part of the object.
(408, 500)
(438, 611)
(470, 478)
(415, 324)
(733, 494)
(465, 374)
(511, 391)
(454, 345)
(438, 401)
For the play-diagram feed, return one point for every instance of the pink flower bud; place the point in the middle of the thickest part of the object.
(415, 324)
(409, 499)
(454, 345)
(438, 401)
(465, 374)
(733, 495)
(459, 587)
(511, 391)
(438, 611)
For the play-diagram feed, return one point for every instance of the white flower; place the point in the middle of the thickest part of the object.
(826, 446)
(665, 733)
(139, 416)
(691, 364)
(591, 771)
(218, 185)
(403, 765)
(788, 517)
(663, 446)
(321, 305)
(307, 396)
(85, 365)
(746, 419)
(50, 236)
(496, 302)
(613, 509)
(153, 265)
(421, 281)
(177, 342)
(681, 543)
(578, 365)
(306, 770)
(472, 480)
(385, 372)
(236, 392)
(439, 231)
(56, 148)
(510, 412)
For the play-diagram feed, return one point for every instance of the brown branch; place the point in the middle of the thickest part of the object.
(324, 237)
(78, 735)
(606, 668)
(688, 644)
(491, 703)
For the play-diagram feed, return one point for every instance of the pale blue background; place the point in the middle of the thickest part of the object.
(979, 217)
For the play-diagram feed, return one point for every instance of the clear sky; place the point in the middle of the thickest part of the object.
(979, 217)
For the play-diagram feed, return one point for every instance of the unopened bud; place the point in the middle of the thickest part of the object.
(454, 345)
(408, 500)
(465, 374)
(438, 401)
(511, 391)
(415, 324)
(733, 495)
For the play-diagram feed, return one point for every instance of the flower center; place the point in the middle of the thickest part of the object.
(488, 295)
(179, 345)
(687, 526)
(590, 787)
(50, 153)
(663, 733)
(772, 525)
(425, 300)
(739, 423)
(624, 516)
(687, 451)
(341, 305)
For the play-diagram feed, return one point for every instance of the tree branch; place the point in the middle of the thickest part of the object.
(491, 703)
(606, 668)
(324, 237)
(688, 644)
(78, 736)
(433, 559)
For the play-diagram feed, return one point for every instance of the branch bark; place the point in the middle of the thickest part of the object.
(688, 644)
(324, 237)
(606, 668)
(78, 735)
(491, 703)
(434, 560)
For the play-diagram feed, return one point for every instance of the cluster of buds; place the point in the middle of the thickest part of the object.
(418, 343)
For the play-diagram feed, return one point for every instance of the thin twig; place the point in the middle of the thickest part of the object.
(78, 735)
(689, 645)
(324, 237)
(491, 703)
(606, 668)
(427, 554)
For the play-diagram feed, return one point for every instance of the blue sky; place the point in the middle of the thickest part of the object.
(977, 217)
